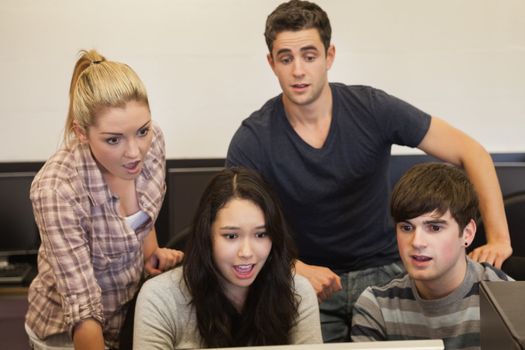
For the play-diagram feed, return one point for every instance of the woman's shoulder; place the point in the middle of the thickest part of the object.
(58, 171)
(66, 174)
(156, 158)
(168, 285)
(302, 285)
(158, 136)
(59, 164)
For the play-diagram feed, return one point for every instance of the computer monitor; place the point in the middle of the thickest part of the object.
(18, 231)
(427, 344)
(502, 315)
(185, 188)
(511, 177)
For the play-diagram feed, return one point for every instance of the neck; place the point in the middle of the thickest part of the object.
(235, 294)
(310, 113)
(237, 299)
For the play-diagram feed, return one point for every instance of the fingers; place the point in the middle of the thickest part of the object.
(498, 262)
(169, 258)
(474, 255)
(163, 259)
(480, 255)
(336, 283)
(330, 285)
(151, 266)
(324, 281)
(492, 254)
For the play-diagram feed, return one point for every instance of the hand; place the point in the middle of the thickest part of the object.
(324, 280)
(492, 253)
(163, 259)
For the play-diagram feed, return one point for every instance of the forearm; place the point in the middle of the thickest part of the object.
(480, 170)
(453, 146)
(150, 244)
(88, 335)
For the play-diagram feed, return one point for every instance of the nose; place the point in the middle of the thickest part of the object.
(298, 68)
(132, 149)
(245, 249)
(418, 238)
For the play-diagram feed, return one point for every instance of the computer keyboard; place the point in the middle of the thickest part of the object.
(14, 273)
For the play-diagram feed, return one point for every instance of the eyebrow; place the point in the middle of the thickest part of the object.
(437, 221)
(302, 49)
(237, 227)
(119, 133)
(427, 222)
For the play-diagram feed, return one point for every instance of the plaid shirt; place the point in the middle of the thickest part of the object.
(90, 261)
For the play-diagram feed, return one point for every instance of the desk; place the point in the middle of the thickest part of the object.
(430, 344)
(13, 307)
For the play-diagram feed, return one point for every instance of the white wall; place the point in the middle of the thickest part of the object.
(203, 62)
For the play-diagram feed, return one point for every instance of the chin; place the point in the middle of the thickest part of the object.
(423, 277)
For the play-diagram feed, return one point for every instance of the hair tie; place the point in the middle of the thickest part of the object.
(96, 62)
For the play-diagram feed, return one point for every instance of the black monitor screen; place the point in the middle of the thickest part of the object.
(185, 188)
(511, 177)
(19, 233)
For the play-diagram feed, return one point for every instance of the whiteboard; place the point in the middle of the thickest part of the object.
(204, 64)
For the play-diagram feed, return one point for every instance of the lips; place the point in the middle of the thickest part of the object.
(300, 86)
(244, 271)
(132, 165)
(418, 261)
(420, 258)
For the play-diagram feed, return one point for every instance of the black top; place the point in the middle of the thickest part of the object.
(336, 197)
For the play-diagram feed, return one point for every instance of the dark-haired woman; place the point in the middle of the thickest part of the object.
(237, 286)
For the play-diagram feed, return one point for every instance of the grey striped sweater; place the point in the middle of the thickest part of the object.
(395, 311)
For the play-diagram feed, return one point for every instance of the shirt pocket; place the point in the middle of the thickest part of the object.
(114, 246)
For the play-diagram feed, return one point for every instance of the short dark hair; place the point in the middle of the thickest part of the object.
(270, 309)
(429, 187)
(296, 15)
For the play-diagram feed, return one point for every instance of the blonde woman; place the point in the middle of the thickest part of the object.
(95, 203)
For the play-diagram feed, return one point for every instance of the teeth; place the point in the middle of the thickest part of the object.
(243, 268)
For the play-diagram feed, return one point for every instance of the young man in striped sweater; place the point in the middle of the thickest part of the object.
(435, 208)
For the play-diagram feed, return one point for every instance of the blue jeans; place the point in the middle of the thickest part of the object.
(336, 312)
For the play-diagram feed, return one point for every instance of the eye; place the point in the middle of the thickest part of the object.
(113, 140)
(262, 234)
(310, 58)
(230, 236)
(435, 228)
(143, 132)
(285, 59)
(405, 227)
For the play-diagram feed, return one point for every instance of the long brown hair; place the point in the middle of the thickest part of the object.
(270, 309)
